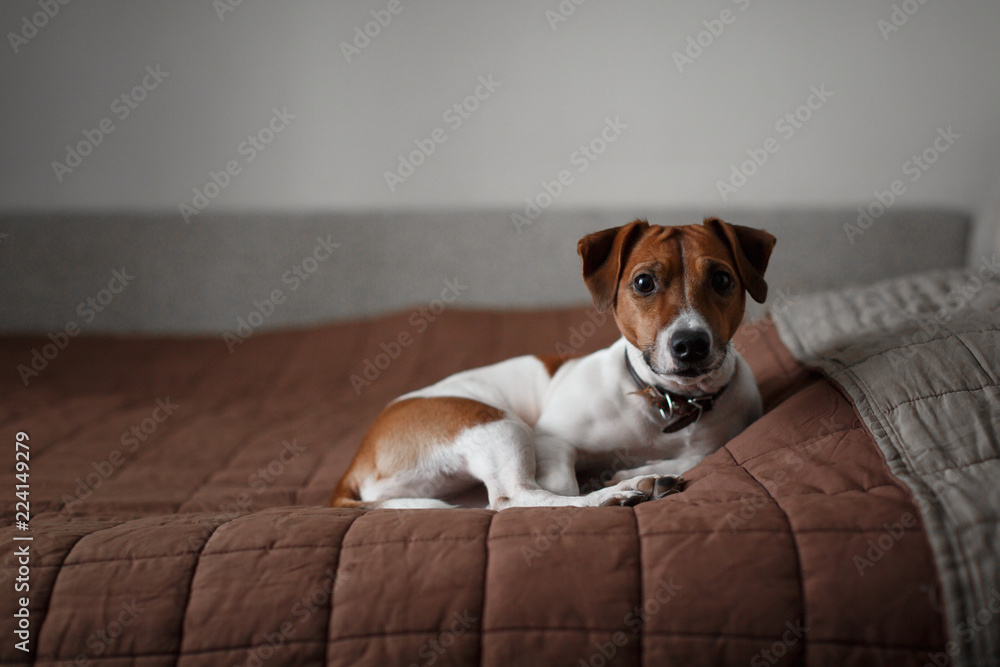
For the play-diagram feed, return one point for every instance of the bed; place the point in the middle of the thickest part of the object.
(178, 492)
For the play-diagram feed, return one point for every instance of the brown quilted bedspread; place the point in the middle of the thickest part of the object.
(202, 537)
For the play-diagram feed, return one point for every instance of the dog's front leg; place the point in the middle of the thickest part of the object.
(555, 467)
(668, 467)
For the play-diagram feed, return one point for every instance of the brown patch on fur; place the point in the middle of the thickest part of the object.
(751, 250)
(604, 254)
(681, 260)
(403, 434)
(351, 503)
(706, 253)
(552, 362)
(659, 252)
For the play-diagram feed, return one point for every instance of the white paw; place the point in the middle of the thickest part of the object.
(623, 497)
(645, 487)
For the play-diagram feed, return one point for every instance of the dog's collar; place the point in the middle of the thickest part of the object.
(677, 410)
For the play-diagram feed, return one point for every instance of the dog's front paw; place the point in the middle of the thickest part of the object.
(655, 487)
(631, 492)
(625, 498)
(669, 481)
(667, 484)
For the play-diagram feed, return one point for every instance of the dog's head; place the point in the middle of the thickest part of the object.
(677, 293)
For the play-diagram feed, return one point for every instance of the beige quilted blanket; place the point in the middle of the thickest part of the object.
(920, 357)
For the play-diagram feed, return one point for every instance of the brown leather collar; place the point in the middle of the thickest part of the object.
(677, 410)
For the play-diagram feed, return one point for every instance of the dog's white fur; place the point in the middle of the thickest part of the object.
(586, 415)
(542, 428)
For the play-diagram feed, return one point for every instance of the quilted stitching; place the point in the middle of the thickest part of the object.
(399, 578)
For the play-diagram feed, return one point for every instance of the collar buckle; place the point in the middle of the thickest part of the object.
(702, 404)
(686, 409)
(667, 414)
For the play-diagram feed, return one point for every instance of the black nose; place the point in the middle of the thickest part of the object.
(690, 346)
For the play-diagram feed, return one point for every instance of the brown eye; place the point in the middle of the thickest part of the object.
(722, 282)
(643, 283)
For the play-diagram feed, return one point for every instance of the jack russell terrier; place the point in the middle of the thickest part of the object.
(668, 393)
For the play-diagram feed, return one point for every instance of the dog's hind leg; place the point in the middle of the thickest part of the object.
(502, 455)
(410, 458)
(458, 442)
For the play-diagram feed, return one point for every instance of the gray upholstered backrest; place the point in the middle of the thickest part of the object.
(202, 277)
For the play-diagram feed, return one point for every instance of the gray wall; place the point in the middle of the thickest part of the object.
(609, 59)
(203, 278)
(685, 129)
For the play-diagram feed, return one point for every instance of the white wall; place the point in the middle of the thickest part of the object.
(608, 60)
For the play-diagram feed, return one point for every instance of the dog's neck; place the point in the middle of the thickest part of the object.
(700, 386)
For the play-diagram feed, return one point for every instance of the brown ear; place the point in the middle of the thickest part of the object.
(604, 256)
(751, 248)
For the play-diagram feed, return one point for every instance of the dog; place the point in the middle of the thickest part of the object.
(669, 392)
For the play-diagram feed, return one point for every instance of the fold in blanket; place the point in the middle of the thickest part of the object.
(920, 358)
